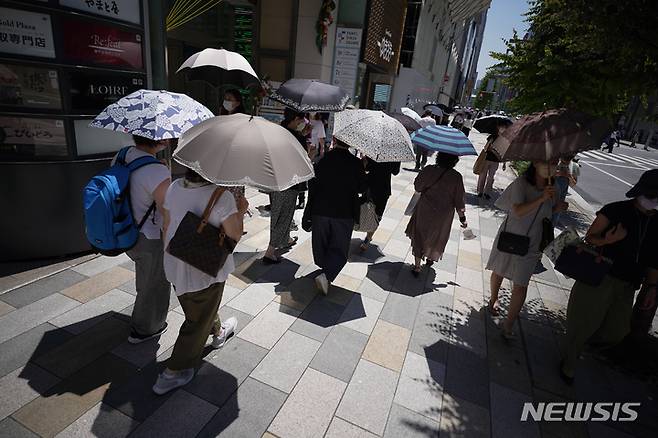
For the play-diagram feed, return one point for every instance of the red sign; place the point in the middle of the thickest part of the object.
(97, 44)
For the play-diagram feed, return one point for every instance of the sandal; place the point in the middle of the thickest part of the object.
(270, 261)
(415, 271)
(364, 245)
(292, 242)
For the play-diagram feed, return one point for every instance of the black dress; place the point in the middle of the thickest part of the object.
(379, 182)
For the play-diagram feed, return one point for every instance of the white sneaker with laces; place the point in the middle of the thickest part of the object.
(169, 381)
(228, 329)
(322, 283)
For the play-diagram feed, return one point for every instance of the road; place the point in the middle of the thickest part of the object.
(607, 177)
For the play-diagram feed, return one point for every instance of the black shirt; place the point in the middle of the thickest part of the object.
(339, 178)
(639, 250)
(379, 177)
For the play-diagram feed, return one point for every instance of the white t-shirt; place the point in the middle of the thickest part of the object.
(178, 201)
(143, 183)
(317, 132)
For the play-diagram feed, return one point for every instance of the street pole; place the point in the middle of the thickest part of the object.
(158, 37)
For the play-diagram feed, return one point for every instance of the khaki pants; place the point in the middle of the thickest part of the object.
(486, 177)
(600, 315)
(201, 320)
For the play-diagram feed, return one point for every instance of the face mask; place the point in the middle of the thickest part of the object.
(648, 203)
(300, 127)
(229, 105)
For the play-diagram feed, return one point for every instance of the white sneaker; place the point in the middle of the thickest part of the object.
(167, 382)
(322, 283)
(228, 329)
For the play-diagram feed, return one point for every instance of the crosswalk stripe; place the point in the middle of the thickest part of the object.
(631, 160)
(647, 161)
(605, 156)
(590, 154)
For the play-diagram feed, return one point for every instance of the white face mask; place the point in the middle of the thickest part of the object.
(300, 127)
(229, 105)
(648, 203)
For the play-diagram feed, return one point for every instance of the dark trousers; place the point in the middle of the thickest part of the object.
(421, 157)
(642, 319)
(331, 239)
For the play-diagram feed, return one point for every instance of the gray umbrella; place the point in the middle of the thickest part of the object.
(304, 95)
(244, 150)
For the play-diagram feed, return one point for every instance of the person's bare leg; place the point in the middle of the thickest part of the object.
(516, 303)
(495, 282)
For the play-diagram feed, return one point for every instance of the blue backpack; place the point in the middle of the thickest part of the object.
(109, 224)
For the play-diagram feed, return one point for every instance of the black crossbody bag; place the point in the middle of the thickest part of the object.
(516, 244)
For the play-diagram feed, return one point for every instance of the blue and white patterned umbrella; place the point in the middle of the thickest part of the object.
(445, 139)
(157, 115)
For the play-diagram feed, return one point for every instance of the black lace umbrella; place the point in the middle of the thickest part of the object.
(304, 95)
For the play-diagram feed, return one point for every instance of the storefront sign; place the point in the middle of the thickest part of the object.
(93, 91)
(29, 87)
(28, 136)
(26, 33)
(384, 37)
(346, 58)
(97, 44)
(127, 10)
(93, 141)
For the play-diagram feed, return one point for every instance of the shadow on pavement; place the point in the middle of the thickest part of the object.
(90, 372)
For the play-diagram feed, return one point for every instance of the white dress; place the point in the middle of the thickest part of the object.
(519, 269)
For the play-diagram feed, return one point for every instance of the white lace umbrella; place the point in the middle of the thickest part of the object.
(374, 134)
(240, 150)
(410, 113)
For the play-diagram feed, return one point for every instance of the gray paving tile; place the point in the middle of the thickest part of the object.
(32, 315)
(146, 352)
(340, 353)
(420, 387)
(361, 314)
(32, 344)
(368, 397)
(101, 421)
(317, 320)
(83, 349)
(223, 370)
(508, 367)
(286, 361)
(13, 429)
(182, 415)
(506, 408)
(467, 376)
(42, 288)
(431, 333)
(400, 310)
(461, 418)
(69, 399)
(247, 413)
(22, 386)
(5, 308)
(266, 328)
(340, 428)
(92, 312)
(130, 265)
(129, 286)
(562, 429)
(403, 423)
(100, 264)
(310, 407)
(370, 289)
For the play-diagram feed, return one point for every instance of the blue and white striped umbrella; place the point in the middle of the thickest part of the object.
(157, 115)
(445, 139)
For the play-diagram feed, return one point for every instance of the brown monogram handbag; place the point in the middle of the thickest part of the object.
(200, 244)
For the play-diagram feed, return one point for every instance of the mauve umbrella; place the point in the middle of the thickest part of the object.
(550, 134)
(409, 124)
(304, 95)
(241, 150)
(220, 67)
(435, 110)
(490, 124)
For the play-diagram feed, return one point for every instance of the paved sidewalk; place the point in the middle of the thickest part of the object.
(384, 354)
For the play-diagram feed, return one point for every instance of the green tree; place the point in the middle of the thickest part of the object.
(588, 55)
